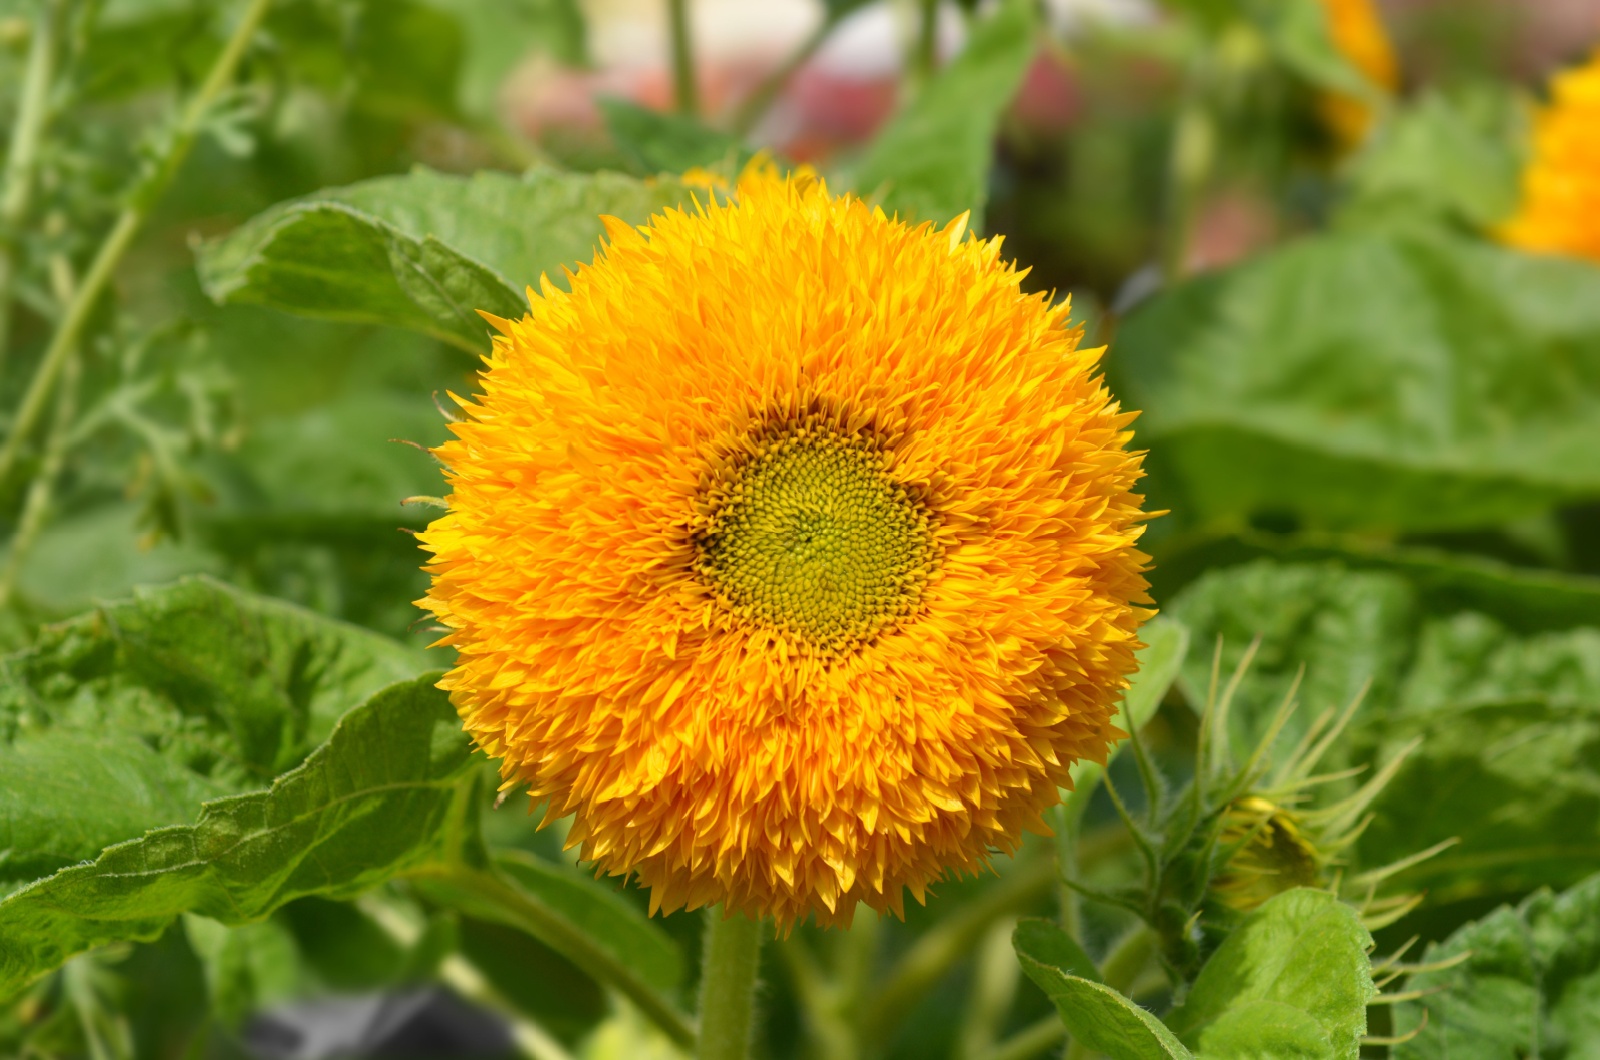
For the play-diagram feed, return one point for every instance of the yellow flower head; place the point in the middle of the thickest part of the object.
(792, 552)
(1357, 32)
(1560, 208)
(1271, 854)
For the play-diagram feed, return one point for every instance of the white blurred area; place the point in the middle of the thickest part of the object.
(836, 99)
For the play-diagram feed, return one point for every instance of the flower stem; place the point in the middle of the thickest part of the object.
(728, 985)
(122, 234)
(685, 91)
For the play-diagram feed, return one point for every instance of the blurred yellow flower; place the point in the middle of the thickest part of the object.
(1560, 207)
(792, 551)
(1358, 34)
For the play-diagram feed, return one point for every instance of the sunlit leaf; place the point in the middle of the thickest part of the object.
(426, 250)
(1371, 379)
(1293, 980)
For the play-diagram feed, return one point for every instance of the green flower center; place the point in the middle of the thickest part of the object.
(812, 535)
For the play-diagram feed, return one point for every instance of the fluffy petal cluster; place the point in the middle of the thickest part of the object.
(1560, 207)
(792, 552)
(1357, 31)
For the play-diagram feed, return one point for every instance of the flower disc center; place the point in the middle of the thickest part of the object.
(812, 535)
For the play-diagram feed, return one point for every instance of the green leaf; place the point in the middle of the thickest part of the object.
(575, 905)
(246, 967)
(1294, 978)
(1441, 158)
(932, 161)
(1529, 985)
(1303, 40)
(384, 795)
(1508, 708)
(154, 704)
(655, 142)
(426, 250)
(1371, 379)
(1095, 1015)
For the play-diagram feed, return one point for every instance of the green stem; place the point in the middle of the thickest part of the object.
(685, 90)
(925, 963)
(26, 135)
(1032, 1040)
(36, 505)
(122, 234)
(511, 904)
(728, 985)
(755, 106)
(925, 52)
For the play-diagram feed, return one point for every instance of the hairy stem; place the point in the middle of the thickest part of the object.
(26, 134)
(685, 90)
(122, 234)
(728, 985)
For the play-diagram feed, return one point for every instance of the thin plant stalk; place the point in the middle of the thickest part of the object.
(122, 234)
(1191, 157)
(22, 159)
(36, 505)
(685, 89)
(728, 985)
(754, 107)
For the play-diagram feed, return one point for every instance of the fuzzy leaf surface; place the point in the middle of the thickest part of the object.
(385, 794)
(1294, 978)
(155, 704)
(1531, 986)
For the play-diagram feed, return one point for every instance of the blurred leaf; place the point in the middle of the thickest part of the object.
(1095, 1015)
(1441, 158)
(405, 58)
(575, 904)
(1303, 40)
(1518, 782)
(424, 251)
(384, 795)
(654, 142)
(1293, 980)
(1166, 646)
(343, 947)
(1369, 379)
(1529, 986)
(536, 979)
(932, 161)
(246, 967)
(183, 693)
(500, 36)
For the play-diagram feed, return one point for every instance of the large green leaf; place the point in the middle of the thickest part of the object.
(385, 794)
(1507, 708)
(1095, 1015)
(1293, 980)
(426, 250)
(1372, 379)
(127, 718)
(932, 162)
(1529, 985)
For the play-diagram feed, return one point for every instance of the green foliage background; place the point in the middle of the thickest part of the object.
(238, 259)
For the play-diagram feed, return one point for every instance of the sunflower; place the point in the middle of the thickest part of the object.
(1357, 32)
(1560, 208)
(792, 553)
